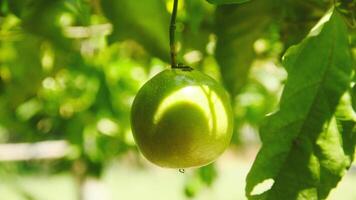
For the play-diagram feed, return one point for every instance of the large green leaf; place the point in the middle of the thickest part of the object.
(305, 153)
(237, 28)
(220, 2)
(146, 22)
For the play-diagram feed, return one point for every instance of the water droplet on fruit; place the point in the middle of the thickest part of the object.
(182, 171)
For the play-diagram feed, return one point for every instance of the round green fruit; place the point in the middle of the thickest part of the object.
(181, 119)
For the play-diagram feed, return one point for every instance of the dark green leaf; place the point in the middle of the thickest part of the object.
(237, 28)
(17, 6)
(146, 22)
(302, 148)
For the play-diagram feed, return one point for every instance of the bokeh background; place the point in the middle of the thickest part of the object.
(69, 71)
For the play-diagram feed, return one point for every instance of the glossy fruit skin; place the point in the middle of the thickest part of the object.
(182, 119)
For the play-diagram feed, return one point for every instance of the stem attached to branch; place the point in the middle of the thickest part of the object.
(172, 35)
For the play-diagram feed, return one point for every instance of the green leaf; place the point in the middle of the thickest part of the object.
(146, 22)
(304, 153)
(208, 174)
(221, 2)
(202, 178)
(236, 35)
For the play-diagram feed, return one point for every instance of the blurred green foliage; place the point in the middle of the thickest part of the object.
(69, 69)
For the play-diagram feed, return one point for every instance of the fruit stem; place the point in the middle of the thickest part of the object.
(172, 34)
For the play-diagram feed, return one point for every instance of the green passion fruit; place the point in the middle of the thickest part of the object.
(182, 119)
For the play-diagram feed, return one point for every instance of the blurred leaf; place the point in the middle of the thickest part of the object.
(28, 109)
(193, 187)
(146, 22)
(208, 174)
(4, 7)
(25, 63)
(220, 2)
(17, 6)
(302, 142)
(196, 12)
(237, 28)
(203, 177)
